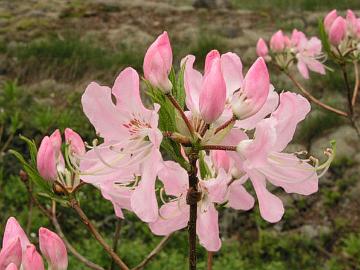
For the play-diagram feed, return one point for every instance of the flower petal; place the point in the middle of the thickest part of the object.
(232, 71)
(207, 229)
(174, 178)
(238, 197)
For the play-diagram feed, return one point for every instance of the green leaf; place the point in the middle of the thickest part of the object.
(204, 168)
(178, 90)
(32, 149)
(324, 38)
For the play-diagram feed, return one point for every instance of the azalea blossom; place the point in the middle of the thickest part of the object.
(18, 253)
(131, 141)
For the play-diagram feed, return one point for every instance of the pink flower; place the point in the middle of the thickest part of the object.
(11, 253)
(352, 23)
(132, 141)
(158, 62)
(263, 157)
(308, 53)
(261, 48)
(174, 215)
(53, 249)
(14, 231)
(277, 42)
(329, 19)
(337, 31)
(32, 259)
(253, 94)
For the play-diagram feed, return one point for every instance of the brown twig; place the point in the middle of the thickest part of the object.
(182, 114)
(153, 253)
(226, 124)
(218, 147)
(75, 205)
(191, 200)
(116, 241)
(357, 84)
(52, 217)
(314, 99)
(210, 256)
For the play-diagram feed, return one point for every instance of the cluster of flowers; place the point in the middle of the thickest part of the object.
(224, 107)
(285, 51)
(18, 253)
(344, 33)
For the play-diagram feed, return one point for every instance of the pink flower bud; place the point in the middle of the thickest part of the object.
(261, 48)
(213, 94)
(14, 231)
(337, 31)
(32, 259)
(351, 22)
(158, 62)
(297, 37)
(11, 266)
(46, 160)
(254, 92)
(12, 253)
(329, 20)
(77, 145)
(53, 249)
(56, 140)
(277, 42)
(220, 160)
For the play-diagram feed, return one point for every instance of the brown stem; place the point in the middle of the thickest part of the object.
(153, 253)
(75, 205)
(116, 241)
(182, 114)
(52, 217)
(210, 256)
(314, 99)
(357, 84)
(192, 199)
(226, 124)
(219, 147)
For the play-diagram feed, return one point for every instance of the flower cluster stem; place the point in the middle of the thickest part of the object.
(192, 199)
(357, 84)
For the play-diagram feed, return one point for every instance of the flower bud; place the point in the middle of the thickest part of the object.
(209, 60)
(12, 253)
(158, 62)
(213, 94)
(32, 259)
(261, 48)
(14, 231)
(46, 160)
(253, 94)
(11, 266)
(337, 31)
(329, 19)
(277, 42)
(75, 142)
(53, 249)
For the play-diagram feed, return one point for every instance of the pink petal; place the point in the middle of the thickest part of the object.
(102, 113)
(143, 200)
(261, 48)
(239, 198)
(210, 58)
(76, 143)
(53, 249)
(173, 216)
(46, 161)
(292, 109)
(217, 187)
(11, 253)
(329, 19)
(291, 173)
(297, 37)
(303, 69)
(192, 84)
(213, 93)
(11, 266)
(255, 88)
(271, 207)
(337, 31)
(232, 71)
(174, 178)
(221, 160)
(118, 195)
(158, 62)
(207, 229)
(270, 105)
(32, 259)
